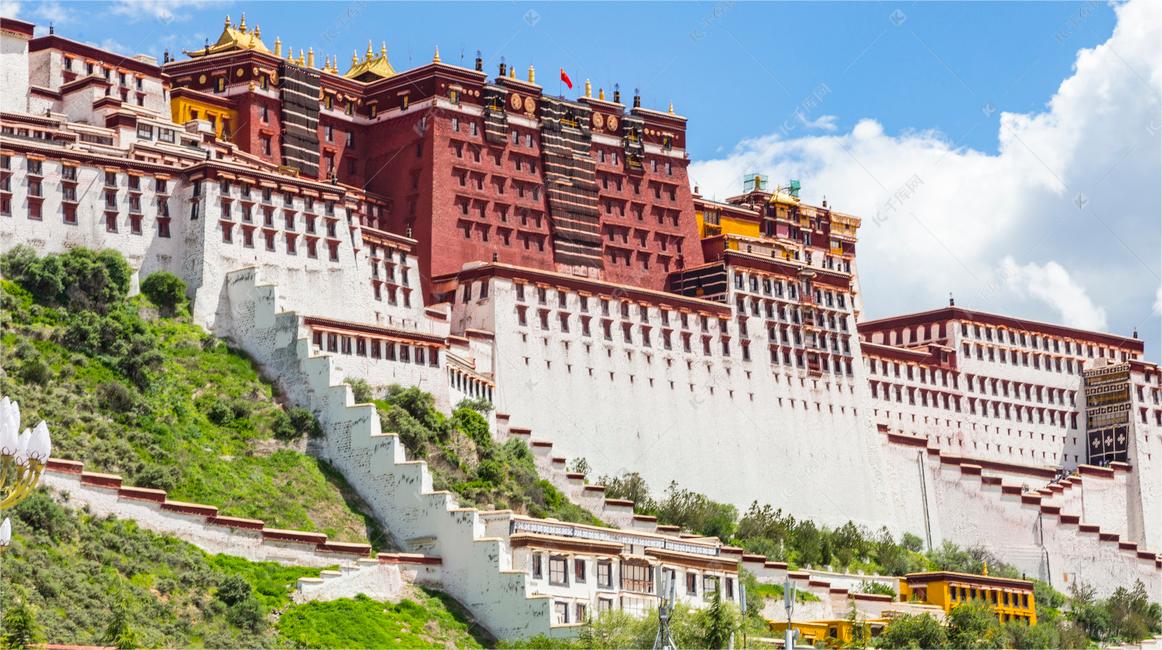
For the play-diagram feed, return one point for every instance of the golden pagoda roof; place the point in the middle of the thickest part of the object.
(234, 38)
(378, 66)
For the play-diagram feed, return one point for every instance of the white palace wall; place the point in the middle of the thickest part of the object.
(733, 429)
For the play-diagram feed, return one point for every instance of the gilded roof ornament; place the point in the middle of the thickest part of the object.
(233, 39)
(371, 67)
(436, 56)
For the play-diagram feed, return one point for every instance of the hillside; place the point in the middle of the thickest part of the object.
(156, 399)
(84, 580)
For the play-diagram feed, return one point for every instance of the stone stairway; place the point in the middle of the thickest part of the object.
(476, 569)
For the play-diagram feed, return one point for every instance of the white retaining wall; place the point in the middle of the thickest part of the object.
(475, 569)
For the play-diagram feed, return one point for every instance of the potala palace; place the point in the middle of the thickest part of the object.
(474, 236)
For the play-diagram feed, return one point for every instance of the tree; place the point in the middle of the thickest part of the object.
(913, 631)
(973, 624)
(718, 622)
(21, 629)
(165, 290)
(119, 633)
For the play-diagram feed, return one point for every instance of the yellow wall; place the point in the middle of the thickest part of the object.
(727, 224)
(948, 594)
(184, 110)
(833, 633)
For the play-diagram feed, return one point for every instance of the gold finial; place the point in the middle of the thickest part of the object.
(532, 74)
(257, 32)
(601, 94)
(436, 56)
(311, 57)
(354, 58)
(290, 54)
(383, 49)
(370, 52)
(301, 60)
(512, 72)
(227, 20)
(588, 89)
(671, 108)
(277, 46)
(242, 23)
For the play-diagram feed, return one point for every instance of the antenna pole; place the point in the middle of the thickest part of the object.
(789, 604)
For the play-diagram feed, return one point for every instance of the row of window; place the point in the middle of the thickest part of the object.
(375, 348)
(270, 238)
(1041, 342)
(267, 195)
(993, 408)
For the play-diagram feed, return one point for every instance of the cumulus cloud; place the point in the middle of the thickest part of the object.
(1051, 284)
(1072, 186)
(10, 8)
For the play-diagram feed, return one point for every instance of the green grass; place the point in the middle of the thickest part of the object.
(80, 573)
(364, 623)
(162, 436)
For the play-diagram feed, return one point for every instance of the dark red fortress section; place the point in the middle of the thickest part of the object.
(475, 168)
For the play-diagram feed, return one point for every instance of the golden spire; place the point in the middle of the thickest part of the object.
(242, 23)
(383, 50)
(512, 72)
(227, 20)
(290, 54)
(601, 94)
(532, 74)
(301, 61)
(257, 32)
(277, 46)
(354, 58)
(370, 51)
(671, 108)
(310, 57)
(436, 56)
(588, 88)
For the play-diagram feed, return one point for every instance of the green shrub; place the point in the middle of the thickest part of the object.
(165, 290)
(20, 628)
(913, 631)
(35, 371)
(305, 422)
(282, 428)
(360, 389)
(115, 396)
(219, 412)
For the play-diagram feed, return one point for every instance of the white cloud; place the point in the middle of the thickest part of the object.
(110, 45)
(52, 12)
(823, 122)
(1073, 186)
(161, 10)
(1051, 284)
(10, 8)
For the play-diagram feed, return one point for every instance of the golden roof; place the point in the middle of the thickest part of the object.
(378, 66)
(234, 38)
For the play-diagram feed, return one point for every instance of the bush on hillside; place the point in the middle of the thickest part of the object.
(80, 279)
(165, 290)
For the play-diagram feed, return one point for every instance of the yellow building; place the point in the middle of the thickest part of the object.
(1010, 598)
(832, 633)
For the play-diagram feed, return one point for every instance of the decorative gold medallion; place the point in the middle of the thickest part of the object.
(530, 105)
(598, 120)
(515, 100)
(612, 123)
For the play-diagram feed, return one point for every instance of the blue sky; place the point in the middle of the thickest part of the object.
(732, 67)
(1008, 153)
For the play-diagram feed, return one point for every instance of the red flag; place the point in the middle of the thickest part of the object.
(566, 79)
